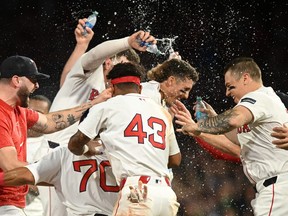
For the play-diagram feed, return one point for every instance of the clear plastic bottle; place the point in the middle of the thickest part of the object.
(91, 21)
(152, 48)
(200, 116)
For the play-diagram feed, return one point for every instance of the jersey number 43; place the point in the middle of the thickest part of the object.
(136, 129)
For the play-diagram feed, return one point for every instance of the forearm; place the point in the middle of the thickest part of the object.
(17, 177)
(96, 56)
(9, 160)
(59, 120)
(79, 50)
(219, 124)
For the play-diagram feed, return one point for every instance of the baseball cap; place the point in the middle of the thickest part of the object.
(21, 66)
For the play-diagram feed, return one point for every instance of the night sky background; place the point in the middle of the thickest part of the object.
(210, 34)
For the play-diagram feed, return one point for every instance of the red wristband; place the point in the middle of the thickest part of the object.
(1, 178)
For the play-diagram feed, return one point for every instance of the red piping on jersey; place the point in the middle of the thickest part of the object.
(272, 201)
(217, 154)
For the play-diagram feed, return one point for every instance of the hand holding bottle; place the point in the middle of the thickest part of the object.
(199, 110)
(91, 21)
(140, 38)
(82, 39)
(203, 110)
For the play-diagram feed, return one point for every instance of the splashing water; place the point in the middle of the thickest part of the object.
(166, 44)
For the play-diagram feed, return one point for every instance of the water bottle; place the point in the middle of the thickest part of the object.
(91, 21)
(152, 48)
(200, 116)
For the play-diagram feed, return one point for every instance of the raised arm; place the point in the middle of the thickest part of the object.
(96, 56)
(80, 48)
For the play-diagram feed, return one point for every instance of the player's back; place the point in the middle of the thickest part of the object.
(135, 133)
(84, 185)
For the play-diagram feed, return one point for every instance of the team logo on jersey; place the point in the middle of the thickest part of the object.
(94, 93)
(249, 100)
(244, 129)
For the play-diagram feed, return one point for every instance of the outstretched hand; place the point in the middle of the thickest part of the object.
(281, 133)
(184, 119)
(209, 110)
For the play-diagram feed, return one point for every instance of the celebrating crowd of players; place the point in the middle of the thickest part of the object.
(119, 157)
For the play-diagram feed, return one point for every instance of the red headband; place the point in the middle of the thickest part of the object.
(124, 79)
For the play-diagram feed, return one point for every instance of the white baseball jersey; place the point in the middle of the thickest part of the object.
(83, 83)
(37, 147)
(152, 90)
(261, 159)
(137, 134)
(264, 164)
(81, 191)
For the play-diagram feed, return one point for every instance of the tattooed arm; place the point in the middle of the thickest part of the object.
(59, 120)
(220, 124)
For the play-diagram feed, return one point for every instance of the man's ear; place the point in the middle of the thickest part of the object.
(170, 80)
(108, 64)
(15, 81)
(246, 78)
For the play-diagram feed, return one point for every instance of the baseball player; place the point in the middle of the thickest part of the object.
(250, 124)
(83, 184)
(37, 147)
(19, 78)
(137, 135)
(171, 80)
(86, 80)
(219, 146)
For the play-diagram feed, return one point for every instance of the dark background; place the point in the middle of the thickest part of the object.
(211, 33)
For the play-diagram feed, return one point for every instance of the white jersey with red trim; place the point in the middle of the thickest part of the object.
(152, 90)
(262, 159)
(137, 133)
(84, 82)
(84, 182)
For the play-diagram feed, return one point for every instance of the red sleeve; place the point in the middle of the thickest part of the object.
(217, 154)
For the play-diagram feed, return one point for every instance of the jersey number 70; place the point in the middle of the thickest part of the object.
(93, 167)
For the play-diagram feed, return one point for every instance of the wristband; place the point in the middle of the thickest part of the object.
(86, 149)
(1, 178)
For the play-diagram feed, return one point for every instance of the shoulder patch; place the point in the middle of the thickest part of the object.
(249, 100)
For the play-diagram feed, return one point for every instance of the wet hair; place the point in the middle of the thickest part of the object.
(130, 54)
(126, 69)
(173, 67)
(41, 98)
(243, 64)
